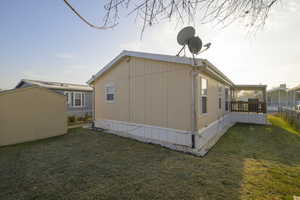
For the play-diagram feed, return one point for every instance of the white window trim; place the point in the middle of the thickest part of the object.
(110, 85)
(81, 96)
(203, 95)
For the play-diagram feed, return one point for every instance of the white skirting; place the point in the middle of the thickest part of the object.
(250, 118)
(179, 140)
(147, 133)
(208, 136)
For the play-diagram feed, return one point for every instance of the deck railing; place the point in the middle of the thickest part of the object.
(244, 106)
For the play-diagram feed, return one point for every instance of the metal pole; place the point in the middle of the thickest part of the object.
(180, 50)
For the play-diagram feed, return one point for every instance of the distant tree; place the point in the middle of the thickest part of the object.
(254, 12)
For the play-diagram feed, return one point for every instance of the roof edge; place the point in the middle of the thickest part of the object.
(160, 57)
(65, 86)
(5, 92)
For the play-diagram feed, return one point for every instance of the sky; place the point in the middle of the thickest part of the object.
(44, 40)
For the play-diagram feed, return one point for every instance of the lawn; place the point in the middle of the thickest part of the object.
(249, 162)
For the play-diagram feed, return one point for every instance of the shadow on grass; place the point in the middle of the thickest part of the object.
(249, 162)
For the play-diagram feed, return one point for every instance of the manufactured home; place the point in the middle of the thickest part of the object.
(282, 96)
(277, 97)
(79, 97)
(294, 97)
(177, 102)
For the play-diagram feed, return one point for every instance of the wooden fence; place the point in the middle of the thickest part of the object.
(244, 106)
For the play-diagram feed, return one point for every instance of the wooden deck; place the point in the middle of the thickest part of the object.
(243, 106)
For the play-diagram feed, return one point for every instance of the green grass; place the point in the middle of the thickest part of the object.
(279, 122)
(249, 162)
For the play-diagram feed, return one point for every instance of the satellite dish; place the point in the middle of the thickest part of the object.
(195, 45)
(186, 37)
(185, 34)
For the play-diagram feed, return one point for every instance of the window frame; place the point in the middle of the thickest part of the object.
(203, 94)
(220, 91)
(227, 98)
(74, 100)
(113, 92)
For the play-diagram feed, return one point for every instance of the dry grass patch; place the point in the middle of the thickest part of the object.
(249, 162)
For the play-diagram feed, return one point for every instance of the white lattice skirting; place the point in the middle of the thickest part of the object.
(178, 139)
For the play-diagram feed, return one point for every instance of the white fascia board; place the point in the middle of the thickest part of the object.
(217, 76)
(220, 74)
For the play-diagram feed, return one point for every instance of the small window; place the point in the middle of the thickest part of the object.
(220, 103)
(78, 99)
(110, 93)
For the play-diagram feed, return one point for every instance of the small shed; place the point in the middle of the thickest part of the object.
(32, 113)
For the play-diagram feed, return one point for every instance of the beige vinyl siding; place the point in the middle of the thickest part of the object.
(147, 92)
(213, 111)
(31, 113)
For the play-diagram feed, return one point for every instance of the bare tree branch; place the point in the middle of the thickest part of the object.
(86, 21)
(254, 12)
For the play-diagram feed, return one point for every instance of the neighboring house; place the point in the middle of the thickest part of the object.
(283, 97)
(79, 97)
(168, 100)
(294, 97)
(277, 97)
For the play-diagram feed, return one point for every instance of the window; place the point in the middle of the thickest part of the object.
(203, 93)
(204, 104)
(110, 93)
(226, 99)
(78, 99)
(203, 87)
(220, 90)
